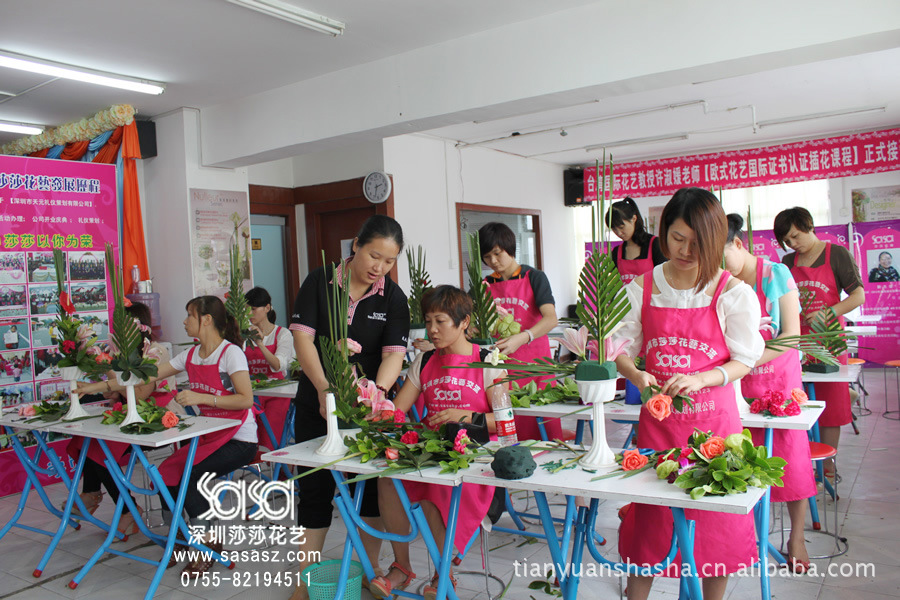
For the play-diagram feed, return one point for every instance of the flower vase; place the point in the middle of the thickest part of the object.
(76, 411)
(132, 415)
(333, 444)
(597, 385)
(416, 331)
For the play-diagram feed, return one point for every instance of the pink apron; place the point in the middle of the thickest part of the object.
(517, 296)
(204, 379)
(687, 340)
(781, 374)
(463, 389)
(819, 284)
(117, 449)
(629, 269)
(275, 409)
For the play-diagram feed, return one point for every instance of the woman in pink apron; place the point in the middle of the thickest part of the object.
(699, 330)
(777, 371)
(821, 270)
(447, 311)
(525, 292)
(220, 387)
(639, 251)
(271, 358)
(95, 472)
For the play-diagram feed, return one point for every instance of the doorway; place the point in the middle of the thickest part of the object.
(268, 251)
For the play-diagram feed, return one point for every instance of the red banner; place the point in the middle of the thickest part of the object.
(844, 156)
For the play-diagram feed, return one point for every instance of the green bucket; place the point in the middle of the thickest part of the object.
(322, 580)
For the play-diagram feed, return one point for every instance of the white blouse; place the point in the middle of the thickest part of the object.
(737, 308)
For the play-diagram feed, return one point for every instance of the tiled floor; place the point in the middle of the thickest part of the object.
(869, 509)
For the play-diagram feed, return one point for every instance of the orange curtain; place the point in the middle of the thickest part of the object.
(40, 153)
(107, 154)
(134, 250)
(75, 150)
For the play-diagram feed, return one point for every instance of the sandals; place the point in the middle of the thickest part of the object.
(381, 586)
(202, 561)
(91, 501)
(128, 525)
(797, 566)
(430, 591)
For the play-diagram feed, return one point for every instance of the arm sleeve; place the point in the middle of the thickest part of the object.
(846, 273)
(180, 360)
(395, 337)
(306, 305)
(414, 372)
(657, 253)
(738, 308)
(540, 285)
(631, 322)
(284, 350)
(234, 360)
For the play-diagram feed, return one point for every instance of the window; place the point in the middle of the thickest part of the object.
(769, 200)
(526, 224)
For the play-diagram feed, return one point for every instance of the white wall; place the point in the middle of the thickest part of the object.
(839, 191)
(278, 173)
(338, 164)
(431, 176)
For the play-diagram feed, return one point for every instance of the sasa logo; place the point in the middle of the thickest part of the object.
(883, 239)
(673, 361)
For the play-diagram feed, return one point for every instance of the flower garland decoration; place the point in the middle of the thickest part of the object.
(156, 418)
(116, 115)
(774, 403)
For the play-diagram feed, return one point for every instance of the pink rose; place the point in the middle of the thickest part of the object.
(792, 409)
(391, 453)
(410, 437)
(659, 406)
(799, 396)
(27, 410)
(169, 419)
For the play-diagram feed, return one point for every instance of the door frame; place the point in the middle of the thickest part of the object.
(279, 201)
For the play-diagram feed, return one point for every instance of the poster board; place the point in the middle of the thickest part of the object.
(217, 218)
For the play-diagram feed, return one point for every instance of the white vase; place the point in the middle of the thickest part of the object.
(71, 373)
(414, 334)
(132, 415)
(596, 393)
(76, 411)
(333, 444)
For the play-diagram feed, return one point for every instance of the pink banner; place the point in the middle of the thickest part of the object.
(590, 246)
(877, 249)
(764, 243)
(844, 156)
(47, 204)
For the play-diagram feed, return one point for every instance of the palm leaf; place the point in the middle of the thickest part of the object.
(420, 283)
(125, 333)
(236, 304)
(484, 311)
(602, 301)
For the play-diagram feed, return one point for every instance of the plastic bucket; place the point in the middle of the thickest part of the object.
(322, 580)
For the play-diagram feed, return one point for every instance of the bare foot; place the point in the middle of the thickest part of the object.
(300, 592)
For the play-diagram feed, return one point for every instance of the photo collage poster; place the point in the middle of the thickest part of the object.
(47, 204)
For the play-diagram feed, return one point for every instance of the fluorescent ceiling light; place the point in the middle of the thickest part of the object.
(824, 115)
(636, 141)
(21, 62)
(293, 14)
(21, 128)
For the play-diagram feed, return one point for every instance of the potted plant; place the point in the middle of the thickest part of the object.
(128, 360)
(419, 285)
(484, 310)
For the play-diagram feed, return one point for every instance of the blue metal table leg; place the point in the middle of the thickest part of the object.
(686, 546)
(556, 552)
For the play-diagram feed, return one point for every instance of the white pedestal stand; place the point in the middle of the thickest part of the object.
(596, 393)
(333, 444)
(72, 375)
(132, 415)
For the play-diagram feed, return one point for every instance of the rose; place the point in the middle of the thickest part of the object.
(632, 459)
(410, 437)
(391, 453)
(659, 406)
(713, 447)
(799, 396)
(666, 468)
(387, 415)
(169, 419)
(103, 357)
(792, 409)
(27, 410)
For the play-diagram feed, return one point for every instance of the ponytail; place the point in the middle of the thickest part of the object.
(232, 332)
(624, 210)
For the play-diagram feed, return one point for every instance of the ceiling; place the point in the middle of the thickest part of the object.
(210, 51)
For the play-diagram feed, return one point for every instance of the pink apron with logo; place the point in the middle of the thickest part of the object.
(781, 374)
(821, 286)
(117, 449)
(629, 269)
(464, 389)
(275, 409)
(687, 340)
(203, 379)
(517, 296)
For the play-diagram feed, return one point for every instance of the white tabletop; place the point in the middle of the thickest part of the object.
(644, 487)
(862, 329)
(11, 418)
(304, 455)
(288, 390)
(846, 373)
(863, 318)
(558, 409)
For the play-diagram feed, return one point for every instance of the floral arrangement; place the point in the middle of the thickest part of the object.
(419, 285)
(44, 410)
(484, 309)
(75, 339)
(235, 301)
(716, 466)
(155, 418)
(85, 129)
(775, 404)
(128, 359)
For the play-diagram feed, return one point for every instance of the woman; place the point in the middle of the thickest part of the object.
(379, 321)
(883, 273)
(11, 338)
(220, 386)
(714, 320)
(639, 251)
(447, 311)
(269, 357)
(525, 292)
(95, 472)
(779, 371)
(821, 270)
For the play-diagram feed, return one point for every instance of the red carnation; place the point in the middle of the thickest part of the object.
(399, 416)
(117, 407)
(757, 406)
(410, 437)
(776, 409)
(792, 409)
(68, 346)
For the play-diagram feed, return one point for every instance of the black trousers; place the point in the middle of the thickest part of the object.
(233, 455)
